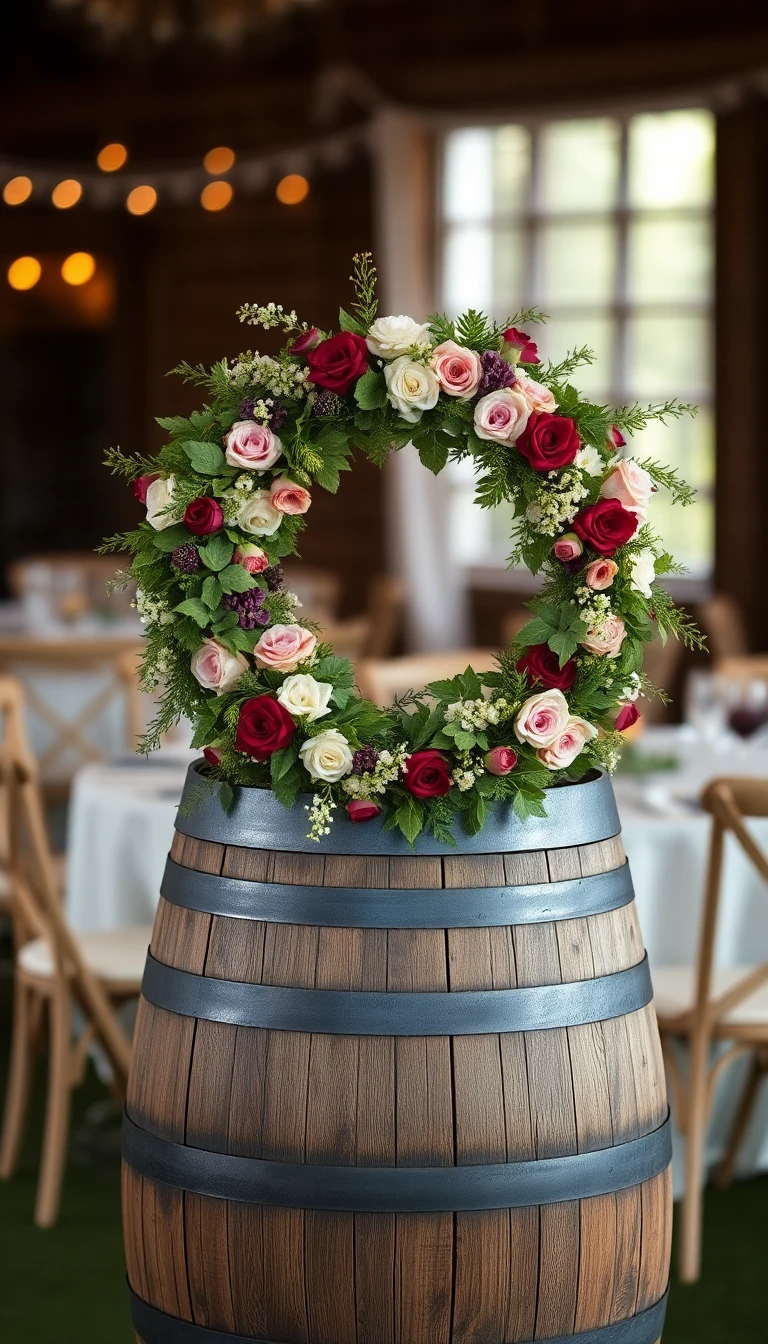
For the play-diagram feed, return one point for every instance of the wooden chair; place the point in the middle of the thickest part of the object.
(381, 680)
(53, 969)
(386, 603)
(13, 736)
(722, 622)
(701, 1005)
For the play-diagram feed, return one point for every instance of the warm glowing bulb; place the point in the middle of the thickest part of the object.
(67, 193)
(141, 200)
(292, 189)
(112, 157)
(219, 160)
(18, 190)
(216, 196)
(78, 268)
(24, 273)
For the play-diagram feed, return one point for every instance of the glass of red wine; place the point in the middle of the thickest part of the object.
(749, 707)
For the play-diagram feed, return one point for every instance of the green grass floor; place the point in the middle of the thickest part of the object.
(66, 1285)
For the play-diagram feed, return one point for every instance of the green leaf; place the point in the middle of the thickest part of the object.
(371, 391)
(280, 762)
(337, 670)
(217, 552)
(528, 805)
(474, 817)
(170, 537)
(236, 579)
(464, 741)
(409, 817)
(212, 593)
(433, 452)
(194, 607)
(226, 796)
(206, 458)
(226, 622)
(563, 644)
(349, 323)
(287, 786)
(448, 690)
(536, 631)
(187, 634)
(340, 697)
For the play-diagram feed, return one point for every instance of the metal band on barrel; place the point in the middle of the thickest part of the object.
(384, 908)
(299, 1185)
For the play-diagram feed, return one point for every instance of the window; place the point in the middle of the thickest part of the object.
(607, 225)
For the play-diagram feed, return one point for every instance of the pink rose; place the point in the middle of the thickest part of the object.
(564, 749)
(251, 558)
(600, 574)
(608, 639)
(288, 497)
(283, 647)
(216, 668)
(252, 447)
(306, 341)
(542, 718)
(500, 760)
(458, 370)
(628, 715)
(538, 396)
(568, 547)
(631, 485)
(502, 415)
(362, 809)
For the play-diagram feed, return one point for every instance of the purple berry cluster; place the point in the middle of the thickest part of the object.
(273, 577)
(246, 408)
(186, 558)
(278, 417)
(249, 607)
(497, 373)
(364, 760)
(326, 403)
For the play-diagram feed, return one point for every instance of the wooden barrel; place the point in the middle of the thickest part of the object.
(381, 1097)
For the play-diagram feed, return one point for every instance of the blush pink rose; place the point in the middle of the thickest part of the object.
(458, 370)
(251, 558)
(288, 497)
(631, 485)
(538, 396)
(500, 760)
(542, 718)
(283, 647)
(608, 640)
(215, 668)
(252, 447)
(568, 547)
(502, 415)
(600, 574)
(563, 751)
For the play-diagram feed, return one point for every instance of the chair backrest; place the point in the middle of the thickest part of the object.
(385, 606)
(723, 624)
(381, 680)
(13, 736)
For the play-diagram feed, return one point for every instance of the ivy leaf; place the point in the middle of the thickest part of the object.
(206, 458)
(217, 552)
(371, 391)
(537, 631)
(170, 537)
(212, 593)
(194, 607)
(349, 323)
(236, 579)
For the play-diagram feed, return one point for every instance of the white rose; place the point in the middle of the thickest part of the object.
(588, 459)
(300, 694)
(216, 668)
(327, 756)
(393, 336)
(542, 718)
(570, 744)
(643, 572)
(411, 388)
(159, 497)
(258, 515)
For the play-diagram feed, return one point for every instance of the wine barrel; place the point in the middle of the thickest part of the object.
(385, 1097)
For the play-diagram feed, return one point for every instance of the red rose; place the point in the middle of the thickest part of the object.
(264, 726)
(616, 438)
(203, 515)
(605, 525)
(338, 362)
(306, 341)
(627, 715)
(542, 664)
(360, 809)
(142, 484)
(212, 755)
(426, 774)
(549, 441)
(529, 351)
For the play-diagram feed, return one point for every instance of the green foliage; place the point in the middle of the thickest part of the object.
(206, 458)
(363, 279)
(634, 418)
(371, 391)
(551, 373)
(669, 479)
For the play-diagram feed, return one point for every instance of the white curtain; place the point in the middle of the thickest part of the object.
(418, 503)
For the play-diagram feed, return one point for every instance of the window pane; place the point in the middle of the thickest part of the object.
(511, 169)
(468, 174)
(668, 356)
(670, 259)
(468, 278)
(561, 334)
(578, 263)
(687, 445)
(579, 165)
(510, 271)
(671, 158)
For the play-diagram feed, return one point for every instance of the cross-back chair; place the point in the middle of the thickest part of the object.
(704, 1005)
(13, 735)
(381, 679)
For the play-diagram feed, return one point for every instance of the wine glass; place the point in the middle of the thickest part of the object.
(749, 707)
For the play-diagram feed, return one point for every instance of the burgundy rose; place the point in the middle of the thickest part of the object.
(529, 351)
(338, 362)
(426, 774)
(616, 438)
(203, 515)
(142, 484)
(605, 525)
(306, 342)
(549, 441)
(542, 664)
(627, 715)
(212, 755)
(362, 809)
(264, 726)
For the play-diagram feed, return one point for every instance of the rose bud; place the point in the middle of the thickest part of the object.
(616, 438)
(212, 755)
(568, 547)
(306, 341)
(142, 484)
(626, 717)
(360, 809)
(526, 350)
(500, 760)
(251, 558)
(203, 516)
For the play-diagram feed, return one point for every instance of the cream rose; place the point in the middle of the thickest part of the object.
(565, 748)
(283, 647)
(642, 572)
(600, 574)
(458, 370)
(393, 336)
(412, 388)
(542, 718)
(608, 639)
(538, 396)
(251, 446)
(502, 415)
(159, 498)
(258, 514)
(302, 696)
(327, 757)
(288, 497)
(631, 485)
(215, 668)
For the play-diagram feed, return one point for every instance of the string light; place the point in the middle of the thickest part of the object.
(216, 196)
(24, 273)
(78, 268)
(219, 160)
(66, 193)
(17, 191)
(112, 157)
(141, 200)
(293, 189)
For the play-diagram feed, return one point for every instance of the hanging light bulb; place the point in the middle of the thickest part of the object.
(292, 189)
(67, 193)
(219, 160)
(216, 196)
(24, 273)
(141, 200)
(112, 157)
(78, 268)
(17, 191)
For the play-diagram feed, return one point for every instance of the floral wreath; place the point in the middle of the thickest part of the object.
(226, 499)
